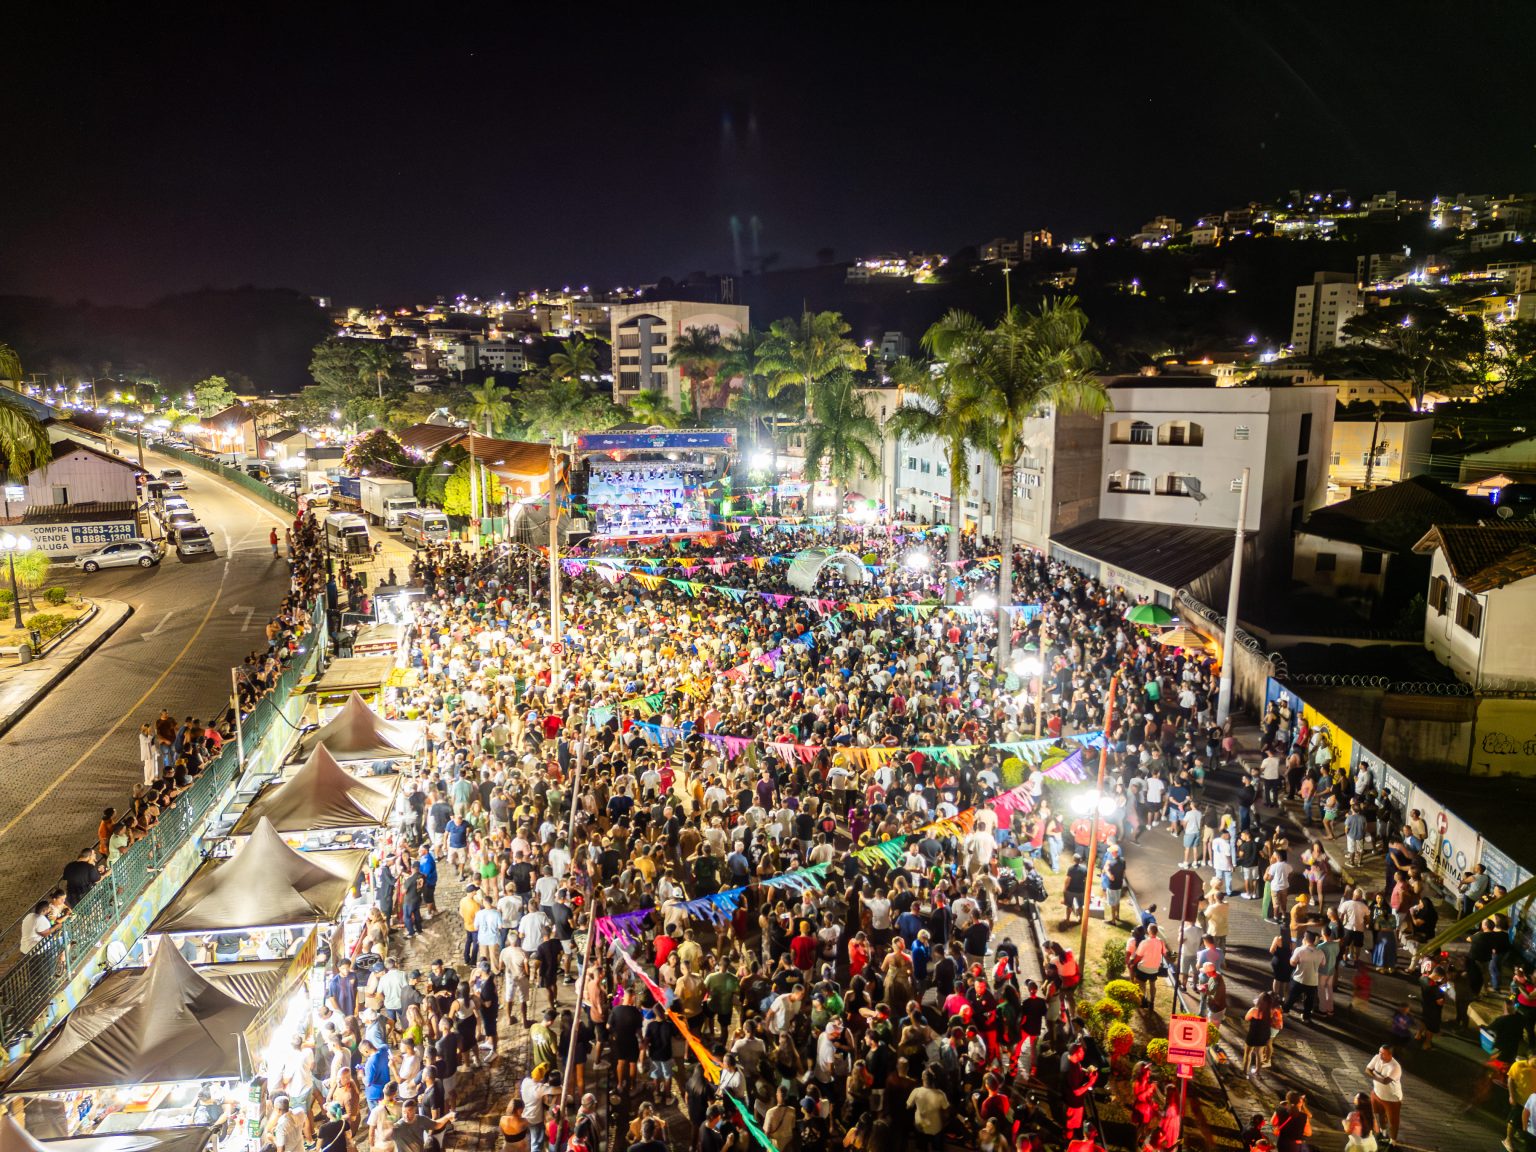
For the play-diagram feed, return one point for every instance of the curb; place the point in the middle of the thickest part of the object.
(10, 720)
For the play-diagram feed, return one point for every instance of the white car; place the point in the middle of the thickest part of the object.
(175, 479)
(170, 505)
(122, 554)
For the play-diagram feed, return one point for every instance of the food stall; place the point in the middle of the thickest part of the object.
(346, 676)
(357, 733)
(36, 1137)
(320, 806)
(134, 1053)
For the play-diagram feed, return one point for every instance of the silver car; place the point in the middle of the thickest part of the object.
(193, 540)
(122, 554)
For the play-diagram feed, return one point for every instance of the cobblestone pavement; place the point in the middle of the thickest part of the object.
(77, 750)
(1448, 1103)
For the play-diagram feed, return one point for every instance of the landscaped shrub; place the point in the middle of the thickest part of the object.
(1125, 993)
(56, 596)
(1157, 1050)
(1114, 960)
(1121, 1040)
(1108, 1012)
(6, 597)
(48, 624)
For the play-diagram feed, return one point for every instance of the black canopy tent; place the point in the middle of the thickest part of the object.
(357, 732)
(15, 1138)
(320, 795)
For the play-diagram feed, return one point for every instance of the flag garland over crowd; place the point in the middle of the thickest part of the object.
(718, 907)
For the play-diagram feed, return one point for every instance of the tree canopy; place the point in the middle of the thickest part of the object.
(212, 395)
(377, 453)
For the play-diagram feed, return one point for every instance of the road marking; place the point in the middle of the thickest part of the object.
(132, 709)
(160, 627)
(247, 609)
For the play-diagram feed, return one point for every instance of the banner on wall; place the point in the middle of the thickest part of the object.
(1452, 846)
(1344, 751)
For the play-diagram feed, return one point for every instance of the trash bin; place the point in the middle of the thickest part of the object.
(37, 639)
(23, 653)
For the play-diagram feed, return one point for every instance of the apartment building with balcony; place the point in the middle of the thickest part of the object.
(643, 334)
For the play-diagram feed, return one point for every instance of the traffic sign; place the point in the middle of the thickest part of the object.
(1186, 1040)
(556, 648)
(1185, 886)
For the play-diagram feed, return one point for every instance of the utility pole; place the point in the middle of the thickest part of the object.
(554, 568)
(1007, 286)
(1224, 699)
(1370, 457)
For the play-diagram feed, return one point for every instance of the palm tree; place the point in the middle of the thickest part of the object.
(697, 353)
(490, 404)
(946, 409)
(652, 407)
(555, 407)
(576, 360)
(10, 365)
(24, 443)
(841, 437)
(1028, 360)
(807, 350)
(753, 395)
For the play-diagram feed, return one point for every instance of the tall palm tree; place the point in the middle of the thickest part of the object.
(698, 353)
(947, 409)
(555, 407)
(753, 395)
(576, 360)
(841, 437)
(24, 443)
(490, 405)
(10, 365)
(807, 350)
(1028, 360)
(652, 407)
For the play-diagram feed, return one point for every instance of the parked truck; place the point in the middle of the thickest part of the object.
(317, 488)
(384, 500)
(347, 494)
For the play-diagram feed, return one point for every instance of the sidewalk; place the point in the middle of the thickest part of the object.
(23, 685)
(1448, 1103)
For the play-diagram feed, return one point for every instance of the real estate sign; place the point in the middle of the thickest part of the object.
(73, 539)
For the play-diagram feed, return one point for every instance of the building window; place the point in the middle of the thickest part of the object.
(1327, 561)
(60, 494)
(1333, 460)
(1304, 440)
(940, 470)
(1439, 594)
(629, 381)
(925, 469)
(1181, 432)
(1370, 563)
(1130, 432)
(1299, 489)
(912, 463)
(1469, 613)
(1137, 482)
(1176, 484)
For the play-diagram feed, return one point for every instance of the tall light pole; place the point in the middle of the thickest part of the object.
(554, 568)
(1093, 835)
(1224, 696)
(11, 544)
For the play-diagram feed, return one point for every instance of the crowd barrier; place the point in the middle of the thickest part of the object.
(235, 476)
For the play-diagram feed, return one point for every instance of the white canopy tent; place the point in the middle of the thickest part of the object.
(807, 566)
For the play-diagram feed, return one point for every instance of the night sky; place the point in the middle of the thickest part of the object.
(406, 152)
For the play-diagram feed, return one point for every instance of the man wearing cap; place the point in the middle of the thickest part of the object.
(1212, 986)
(537, 1093)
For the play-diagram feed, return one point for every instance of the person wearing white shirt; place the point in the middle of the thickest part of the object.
(1221, 860)
(1386, 1091)
(531, 929)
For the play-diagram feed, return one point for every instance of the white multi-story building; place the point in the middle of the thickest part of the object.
(504, 355)
(1482, 594)
(1322, 309)
(643, 332)
(1173, 458)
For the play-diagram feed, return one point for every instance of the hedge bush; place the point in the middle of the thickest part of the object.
(1114, 960)
(1122, 1039)
(48, 624)
(1124, 993)
(56, 596)
(1157, 1050)
(6, 597)
(1107, 1012)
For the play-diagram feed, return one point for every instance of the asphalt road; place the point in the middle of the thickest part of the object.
(77, 751)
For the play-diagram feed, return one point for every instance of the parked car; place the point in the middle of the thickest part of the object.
(170, 504)
(258, 471)
(193, 540)
(174, 477)
(122, 554)
(176, 522)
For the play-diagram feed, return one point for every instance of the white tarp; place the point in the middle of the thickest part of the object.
(807, 566)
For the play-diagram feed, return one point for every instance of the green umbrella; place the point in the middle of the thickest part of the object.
(1152, 615)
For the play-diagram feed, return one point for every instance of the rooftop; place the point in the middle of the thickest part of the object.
(1396, 517)
(1486, 556)
(1166, 554)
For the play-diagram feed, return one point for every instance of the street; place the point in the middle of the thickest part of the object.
(77, 751)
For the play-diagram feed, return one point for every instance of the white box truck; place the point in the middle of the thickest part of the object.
(384, 500)
(346, 534)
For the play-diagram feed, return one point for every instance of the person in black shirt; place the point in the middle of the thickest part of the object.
(333, 1135)
(80, 876)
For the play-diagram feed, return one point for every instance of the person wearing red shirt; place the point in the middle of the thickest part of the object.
(803, 948)
(666, 944)
(552, 725)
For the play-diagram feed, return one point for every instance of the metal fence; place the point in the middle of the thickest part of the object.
(235, 476)
(36, 977)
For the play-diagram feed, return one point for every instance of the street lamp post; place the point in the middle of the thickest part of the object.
(1093, 835)
(1028, 664)
(11, 544)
